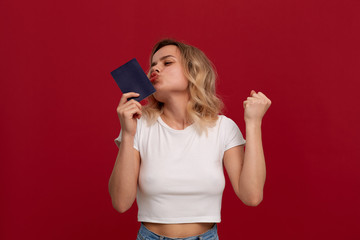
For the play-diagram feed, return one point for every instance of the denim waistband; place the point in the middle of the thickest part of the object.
(146, 234)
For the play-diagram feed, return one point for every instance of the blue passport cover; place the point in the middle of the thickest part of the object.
(130, 77)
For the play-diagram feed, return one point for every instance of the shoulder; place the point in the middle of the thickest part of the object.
(226, 121)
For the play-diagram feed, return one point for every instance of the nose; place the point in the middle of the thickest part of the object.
(155, 69)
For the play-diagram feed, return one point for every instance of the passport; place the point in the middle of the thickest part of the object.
(130, 77)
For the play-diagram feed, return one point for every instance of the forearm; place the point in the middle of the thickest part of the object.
(253, 173)
(123, 180)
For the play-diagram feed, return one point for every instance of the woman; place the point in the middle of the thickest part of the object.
(172, 150)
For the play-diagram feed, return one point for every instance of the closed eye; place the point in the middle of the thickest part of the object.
(167, 63)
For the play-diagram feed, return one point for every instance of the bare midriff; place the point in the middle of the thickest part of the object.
(181, 230)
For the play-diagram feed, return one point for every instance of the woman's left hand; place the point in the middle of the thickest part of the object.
(255, 107)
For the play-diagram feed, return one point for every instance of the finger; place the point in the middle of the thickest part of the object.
(255, 95)
(129, 114)
(245, 103)
(124, 110)
(125, 96)
(131, 108)
(252, 92)
(135, 113)
(127, 105)
(133, 102)
(267, 99)
(252, 98)
(262, 95)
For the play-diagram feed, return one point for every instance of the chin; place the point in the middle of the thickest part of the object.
(159, 96)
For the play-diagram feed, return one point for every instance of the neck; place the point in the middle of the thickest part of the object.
(174, 112)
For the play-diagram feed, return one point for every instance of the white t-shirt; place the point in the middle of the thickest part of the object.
(181, 178)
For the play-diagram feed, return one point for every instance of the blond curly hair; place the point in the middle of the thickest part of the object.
(204, 105)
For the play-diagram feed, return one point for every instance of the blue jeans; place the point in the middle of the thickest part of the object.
(146, 234)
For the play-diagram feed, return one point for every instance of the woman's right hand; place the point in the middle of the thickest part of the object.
(128, 112)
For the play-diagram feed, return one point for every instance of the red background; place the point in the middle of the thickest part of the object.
(59, 121)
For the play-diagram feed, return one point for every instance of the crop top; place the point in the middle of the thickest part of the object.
(181, 178)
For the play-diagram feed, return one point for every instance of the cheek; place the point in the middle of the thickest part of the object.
(186, 82)
(181, 79)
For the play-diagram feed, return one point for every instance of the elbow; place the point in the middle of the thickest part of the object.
(120, 207)
(116, 202)
(121, 204)
(252, 201)
(121, 210)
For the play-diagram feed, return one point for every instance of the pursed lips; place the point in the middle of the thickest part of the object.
(153, 77)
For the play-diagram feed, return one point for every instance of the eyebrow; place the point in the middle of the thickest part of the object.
(162, 58)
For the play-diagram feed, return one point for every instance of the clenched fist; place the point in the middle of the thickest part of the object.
(255, 107)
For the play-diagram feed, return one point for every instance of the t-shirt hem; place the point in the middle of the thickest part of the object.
(180, 220)
(117, 142)
(234, 145)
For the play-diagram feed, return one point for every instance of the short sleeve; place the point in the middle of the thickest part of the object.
(233, 136)
(136, 138)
